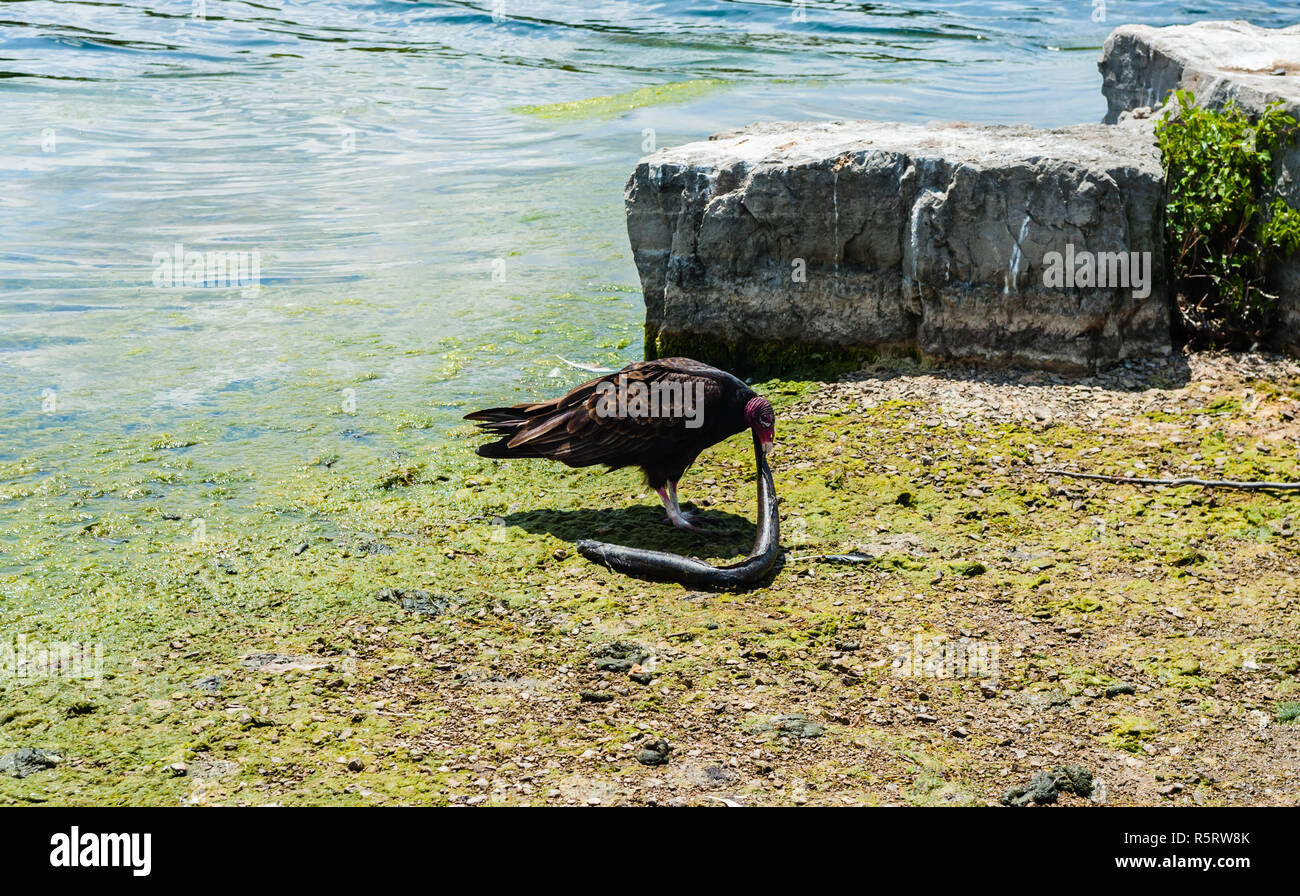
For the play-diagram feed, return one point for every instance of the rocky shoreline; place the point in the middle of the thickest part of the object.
(947, 241)
(951, 626)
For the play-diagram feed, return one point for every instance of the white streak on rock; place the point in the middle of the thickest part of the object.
(1017, 254)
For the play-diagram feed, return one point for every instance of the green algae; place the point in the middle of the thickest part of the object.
(1129, 733)
(173, 605)
(618, 104)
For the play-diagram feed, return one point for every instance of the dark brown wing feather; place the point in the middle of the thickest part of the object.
(571, 430)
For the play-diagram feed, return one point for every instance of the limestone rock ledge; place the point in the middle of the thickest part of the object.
(936, 239)
(1218, 61)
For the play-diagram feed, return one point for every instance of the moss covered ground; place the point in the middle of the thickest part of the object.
(949, 619)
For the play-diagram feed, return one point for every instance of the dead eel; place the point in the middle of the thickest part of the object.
(661, 566)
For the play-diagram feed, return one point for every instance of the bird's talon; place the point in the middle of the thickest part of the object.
(688, 523)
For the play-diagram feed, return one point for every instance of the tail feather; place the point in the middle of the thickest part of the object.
(499, 421)
(498, 416)
(504, 422)
(493, 415)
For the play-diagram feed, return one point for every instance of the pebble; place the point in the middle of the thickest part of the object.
(619, 656)
(794, 725)
(415, 600)
(654, 753)
(1045, 786)
(210, 684)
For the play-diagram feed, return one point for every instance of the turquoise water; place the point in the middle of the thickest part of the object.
(423, 245)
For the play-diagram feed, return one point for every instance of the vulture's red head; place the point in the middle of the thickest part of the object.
(760, 418)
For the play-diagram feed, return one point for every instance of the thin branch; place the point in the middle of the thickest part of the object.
(1249, 485)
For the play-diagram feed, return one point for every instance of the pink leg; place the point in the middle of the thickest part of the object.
(675, 516)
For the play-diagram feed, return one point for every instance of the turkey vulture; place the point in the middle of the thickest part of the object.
(656, 415)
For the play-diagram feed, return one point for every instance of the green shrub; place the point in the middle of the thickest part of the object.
(1224, 222)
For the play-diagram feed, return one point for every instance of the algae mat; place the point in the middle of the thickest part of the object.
(948, 622)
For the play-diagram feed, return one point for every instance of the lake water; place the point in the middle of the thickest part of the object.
(431, 230)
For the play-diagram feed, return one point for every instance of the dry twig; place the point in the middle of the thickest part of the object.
(1248, 485)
